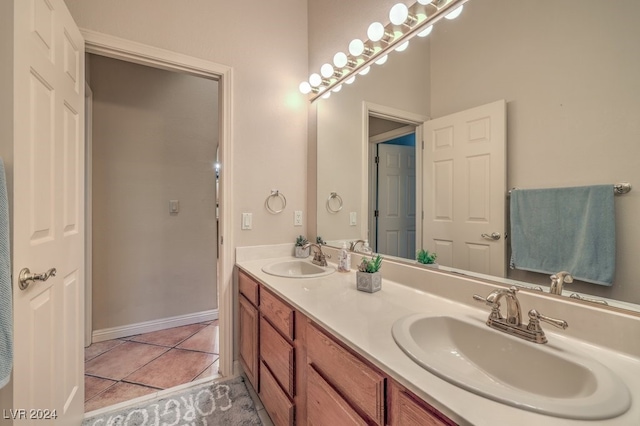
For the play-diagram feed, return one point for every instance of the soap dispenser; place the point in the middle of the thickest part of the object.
(344, 259)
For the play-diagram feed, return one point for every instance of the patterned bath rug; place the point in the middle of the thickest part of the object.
(214, 404)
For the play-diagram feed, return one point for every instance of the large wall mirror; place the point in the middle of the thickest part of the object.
(568, 72)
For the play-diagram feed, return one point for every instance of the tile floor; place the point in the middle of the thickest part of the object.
(122, 369)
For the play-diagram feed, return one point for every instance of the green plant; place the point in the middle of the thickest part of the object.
(423, 256)
(301, 240)
(320, 241)
(370, 266)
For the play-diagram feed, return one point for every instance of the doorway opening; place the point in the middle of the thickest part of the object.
(154, 237)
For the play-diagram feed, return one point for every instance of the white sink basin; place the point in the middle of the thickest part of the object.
(541, 378)
(297, 268)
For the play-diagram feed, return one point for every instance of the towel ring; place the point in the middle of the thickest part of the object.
(334, 195)
(275, 194)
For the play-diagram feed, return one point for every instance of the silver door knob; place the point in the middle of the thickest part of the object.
(26, 277)
(494, 236)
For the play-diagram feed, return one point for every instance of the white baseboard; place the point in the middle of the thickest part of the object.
(154, 325)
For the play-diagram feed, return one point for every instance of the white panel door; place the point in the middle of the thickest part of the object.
(48, 225)
(465, 189)
(396, 200)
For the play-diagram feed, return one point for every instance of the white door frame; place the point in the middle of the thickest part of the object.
(117, 48)
(393, 114)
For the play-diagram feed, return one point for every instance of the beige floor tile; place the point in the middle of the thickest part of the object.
(169, 337)
(123, 360)
(99, 348)
(205, 340)
(119, 392)
(171, 369)
(95, 385)
(210, 370)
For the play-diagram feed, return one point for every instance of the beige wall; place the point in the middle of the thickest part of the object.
(6, 133)
(154, 139)
(266, 44)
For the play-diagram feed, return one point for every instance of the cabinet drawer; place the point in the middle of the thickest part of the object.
(356, 381)
(278, 355)
(408, 410)
(248, 287)
(278, 313)
(280, 409)
(325, 407)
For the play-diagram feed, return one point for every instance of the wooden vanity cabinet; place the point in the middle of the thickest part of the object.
(249, 327)
(406, 409)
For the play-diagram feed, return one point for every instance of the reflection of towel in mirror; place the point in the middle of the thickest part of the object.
(565, 229)
(6, 311)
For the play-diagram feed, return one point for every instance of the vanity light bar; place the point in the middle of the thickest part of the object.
(413, 27)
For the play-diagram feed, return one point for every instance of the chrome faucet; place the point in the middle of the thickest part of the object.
(558, 280)
(354, 244)
(319, 258)
(512, 323)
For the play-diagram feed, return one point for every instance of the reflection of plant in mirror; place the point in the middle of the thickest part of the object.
(370, 266)
(426, 257)
(320, 241)
(301, 240)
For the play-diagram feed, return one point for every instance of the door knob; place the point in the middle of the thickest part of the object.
(26, 277)
(494, 236)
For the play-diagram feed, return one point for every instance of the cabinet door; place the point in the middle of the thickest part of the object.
(325, 407)
(408, 410)
(249, 322)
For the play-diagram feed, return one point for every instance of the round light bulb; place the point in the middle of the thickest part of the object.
(326, 71)
(337, 88)
(340, 60)
(426, 31)
(305, 87)
(398, 14)
(351, 79)
(326, 95)
(424, 2)
(403, 46)
(365, 71)
(382, 60)
(456, 12)
(315, 80)
(356, 47)
(375, 31)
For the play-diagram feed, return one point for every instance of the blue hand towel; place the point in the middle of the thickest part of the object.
(565, 229)
(6, 303)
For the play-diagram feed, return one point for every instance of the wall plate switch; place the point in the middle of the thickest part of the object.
(247, 219)
(297, 218)
(353, 219)
(174, 206)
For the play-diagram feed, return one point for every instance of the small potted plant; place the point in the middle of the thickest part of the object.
(369, 277)
(300, 251)
(426, 257)
(320, 241)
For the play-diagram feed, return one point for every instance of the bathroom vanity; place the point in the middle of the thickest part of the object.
(318, 351)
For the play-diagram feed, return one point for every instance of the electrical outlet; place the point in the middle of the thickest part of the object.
(353, 219)
(297, 218)
(247, 220)
(174, 206)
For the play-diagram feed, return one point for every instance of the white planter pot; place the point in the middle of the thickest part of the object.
(302, 253)
(369, 282)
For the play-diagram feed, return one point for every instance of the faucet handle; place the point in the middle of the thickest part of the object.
(535, 316)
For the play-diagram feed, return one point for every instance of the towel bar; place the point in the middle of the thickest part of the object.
(618, 188)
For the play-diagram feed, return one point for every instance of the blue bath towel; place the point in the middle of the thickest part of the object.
(565, 229)
(6, 311)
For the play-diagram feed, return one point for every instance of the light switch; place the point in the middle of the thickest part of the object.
(246, 220)
(353, 219)
(174, 206)
(297, 218)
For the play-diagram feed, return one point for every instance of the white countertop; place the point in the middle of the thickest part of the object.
(363, 321)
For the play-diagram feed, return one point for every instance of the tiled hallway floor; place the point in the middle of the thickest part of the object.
(122, 369)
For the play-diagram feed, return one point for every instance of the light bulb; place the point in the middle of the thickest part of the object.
(398, 14)
(326, 95)
(315, 80)
(375, 31)
(424, 2)
(305, 87)
(326, 71)
(403, 46)
(456, 12)
(426, 31)
(337, 88)
(340, 60)
(351, 79)
(382, 60)
(356, 47)
(365, 71)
